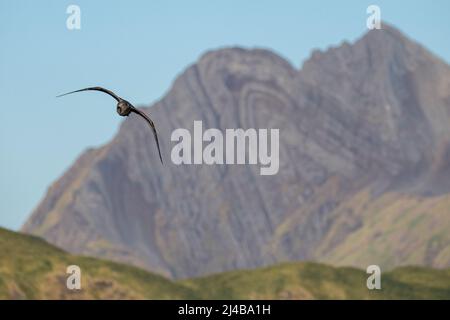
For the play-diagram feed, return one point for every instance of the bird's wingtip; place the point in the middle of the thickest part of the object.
(63, 94)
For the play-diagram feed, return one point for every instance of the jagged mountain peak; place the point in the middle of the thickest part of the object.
(369, 116)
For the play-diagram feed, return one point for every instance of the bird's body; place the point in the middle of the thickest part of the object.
(124, 108)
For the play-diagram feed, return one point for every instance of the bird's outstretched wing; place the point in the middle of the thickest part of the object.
(112, 94)
(152, 125)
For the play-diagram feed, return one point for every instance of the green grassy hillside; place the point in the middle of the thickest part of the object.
(30, 268)
(319, 281)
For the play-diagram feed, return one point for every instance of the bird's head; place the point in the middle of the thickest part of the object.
(123, 108)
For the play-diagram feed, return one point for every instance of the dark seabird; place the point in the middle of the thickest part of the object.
(124, 108)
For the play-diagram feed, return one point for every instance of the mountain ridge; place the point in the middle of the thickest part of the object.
(368, 117)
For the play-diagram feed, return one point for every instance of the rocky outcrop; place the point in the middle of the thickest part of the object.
(373, 115)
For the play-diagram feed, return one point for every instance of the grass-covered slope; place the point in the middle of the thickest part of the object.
(396, 230)
(30, 268)
(319, 281)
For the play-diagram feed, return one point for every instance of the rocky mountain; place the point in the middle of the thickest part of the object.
(364, 173)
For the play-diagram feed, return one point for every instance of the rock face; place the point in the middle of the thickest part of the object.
(364, 157)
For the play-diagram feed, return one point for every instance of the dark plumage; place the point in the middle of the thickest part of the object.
(124, 108)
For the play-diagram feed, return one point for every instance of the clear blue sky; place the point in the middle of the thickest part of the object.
(137, 48)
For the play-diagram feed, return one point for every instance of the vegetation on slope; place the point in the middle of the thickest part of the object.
(30, 268)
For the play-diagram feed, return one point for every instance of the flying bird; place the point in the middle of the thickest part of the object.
(124, 108)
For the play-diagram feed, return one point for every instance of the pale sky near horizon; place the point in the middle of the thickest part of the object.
(137, 48)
